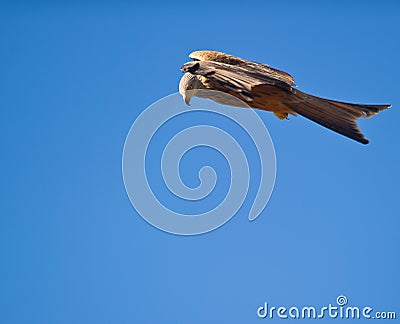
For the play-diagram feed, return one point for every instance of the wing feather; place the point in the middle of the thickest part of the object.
(237, 79)
(237, 61)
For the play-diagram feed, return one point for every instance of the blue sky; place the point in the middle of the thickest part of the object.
(74, 77)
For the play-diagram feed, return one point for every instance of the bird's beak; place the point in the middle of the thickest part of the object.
(187, 97)
(187, 100)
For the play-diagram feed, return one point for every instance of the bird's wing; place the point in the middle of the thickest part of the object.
(261, 90)
(233, 79)
(237, 61)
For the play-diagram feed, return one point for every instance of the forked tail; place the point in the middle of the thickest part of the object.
(338, 116)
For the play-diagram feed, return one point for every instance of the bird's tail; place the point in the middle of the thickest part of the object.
(338, 116)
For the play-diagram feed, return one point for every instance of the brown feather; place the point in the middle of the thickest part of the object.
(338, 116)
(237, 61)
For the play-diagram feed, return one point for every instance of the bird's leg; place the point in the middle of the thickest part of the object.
(281, 116)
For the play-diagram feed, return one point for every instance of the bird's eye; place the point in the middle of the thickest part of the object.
(190, 87)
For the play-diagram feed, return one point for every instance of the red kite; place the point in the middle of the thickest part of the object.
(266, 88)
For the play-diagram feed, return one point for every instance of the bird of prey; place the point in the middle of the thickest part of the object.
(263, 87)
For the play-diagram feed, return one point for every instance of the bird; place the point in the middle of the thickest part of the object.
(260, 86)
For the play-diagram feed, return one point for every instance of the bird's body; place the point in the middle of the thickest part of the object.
(266, 88)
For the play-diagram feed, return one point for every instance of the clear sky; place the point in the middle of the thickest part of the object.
(73, 78)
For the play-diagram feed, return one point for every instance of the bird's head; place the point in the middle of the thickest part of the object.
(188, 85)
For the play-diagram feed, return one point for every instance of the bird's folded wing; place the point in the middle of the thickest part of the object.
(237, 61)
(232, 78)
